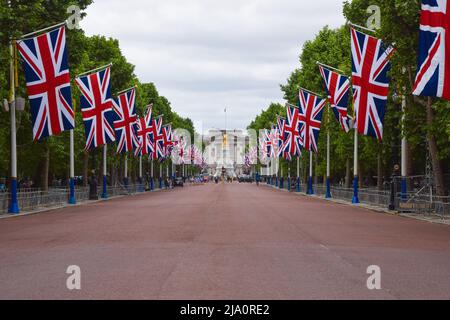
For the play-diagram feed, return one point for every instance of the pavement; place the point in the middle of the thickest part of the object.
(224, 241)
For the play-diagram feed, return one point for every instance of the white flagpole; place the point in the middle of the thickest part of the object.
(14, 204)
(152, 177)
(126, 172)
(328, 182)
(72, 198)
(328, 193)
(140, 166)
(141, 187)
(281, 175)
(105, 172)
(160, 175)
(310, 182)
(404, 186)
(355, 171)
(43, 30)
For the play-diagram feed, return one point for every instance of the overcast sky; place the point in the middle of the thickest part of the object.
(205, 55)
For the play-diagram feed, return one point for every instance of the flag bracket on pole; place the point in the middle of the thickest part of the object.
(126, 90)
(360, 27)
(330, 67)
(51, 28)
(311, 92)
(95, 70)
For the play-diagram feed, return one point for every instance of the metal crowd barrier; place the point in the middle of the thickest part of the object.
(412, 203)
(32, 200)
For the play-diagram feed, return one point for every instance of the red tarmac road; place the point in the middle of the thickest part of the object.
(222, 242)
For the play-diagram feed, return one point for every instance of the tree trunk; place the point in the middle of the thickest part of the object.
(348, 174)
(85, 168)
(45, 167)
(436, 163)
(360, 176)
(409, 167)
(380, 171)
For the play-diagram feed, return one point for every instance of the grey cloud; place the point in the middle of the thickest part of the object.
(205, 55)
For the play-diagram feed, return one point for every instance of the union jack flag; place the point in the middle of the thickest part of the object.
(370, 66)
(196, 155)
(263, 148)
(311, 112)
(48, 83)
(96, 107)
(275, 136)
(168, 139)
(338, 88)
(281, 125)
(180, 146)
(125, 123)
(433, 74)
(157, 139)
(281, 139)
(253, 155)
(293, 141)
(266, 143)
(144, 130)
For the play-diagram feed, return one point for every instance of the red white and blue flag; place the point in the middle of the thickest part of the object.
(48, 82)
(281, 139)
(263, 157)
(281, 124)
(97, 108)
(433, 73)
(157, 139)
(293, 141)
(168, 143)
(338, 88)
(144, 130)
(267, 143)
(275, 136)
(125, 123)
(311, 113)
(370, 66)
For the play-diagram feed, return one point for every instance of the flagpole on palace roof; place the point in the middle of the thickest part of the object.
(95, 70)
